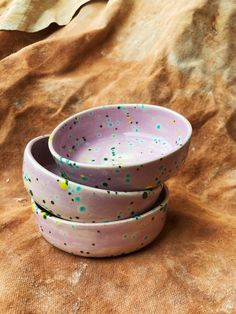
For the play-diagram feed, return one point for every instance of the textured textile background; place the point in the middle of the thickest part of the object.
(178, 54)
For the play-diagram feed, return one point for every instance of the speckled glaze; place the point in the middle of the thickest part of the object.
(103, 239)
(121, 147)
(74, 201)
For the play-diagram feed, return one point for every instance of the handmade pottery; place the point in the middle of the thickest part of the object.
(121, 147)
(74, 201)
(103, 239)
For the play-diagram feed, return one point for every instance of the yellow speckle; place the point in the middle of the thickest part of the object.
(44, 214)
(63, 184)
(148, 187)
(32, 206)
(58, 222)
(50, 138)
(82, 176)
(178, 132)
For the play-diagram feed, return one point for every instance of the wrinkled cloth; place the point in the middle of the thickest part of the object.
(177, 54)
(35, 15)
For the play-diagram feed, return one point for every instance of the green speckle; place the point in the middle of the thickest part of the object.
(158, 126)
(82, 208)
(145, 237)
(78, 188)
(114, 135)
(77, 199)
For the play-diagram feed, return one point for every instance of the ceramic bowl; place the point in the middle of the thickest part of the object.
(121, 147)
(103, 239)
(74, 201)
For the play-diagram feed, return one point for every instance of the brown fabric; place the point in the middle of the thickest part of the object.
(178, 54)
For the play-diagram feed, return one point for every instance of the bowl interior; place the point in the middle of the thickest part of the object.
(42, 155)
(119, 135)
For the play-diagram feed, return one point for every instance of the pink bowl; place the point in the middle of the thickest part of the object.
(121, 147)
(103, 239)
(74, 201)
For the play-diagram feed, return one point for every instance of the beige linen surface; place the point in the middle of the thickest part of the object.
(35, 15)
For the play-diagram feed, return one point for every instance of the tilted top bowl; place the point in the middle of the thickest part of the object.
(121, 147)
(74, 201)
(103, 239)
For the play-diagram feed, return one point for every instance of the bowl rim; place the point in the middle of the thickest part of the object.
(84, 166)
(150, 212)
(36, 164)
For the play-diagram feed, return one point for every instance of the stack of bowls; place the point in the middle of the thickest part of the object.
(97, 182)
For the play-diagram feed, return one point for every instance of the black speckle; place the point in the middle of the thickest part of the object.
(69, 193)
(109, 179)
(145, 195)
(49, 231)
(131, 203)
(100, 126)
(70, 127)
(116, 129)
(105, 184)
(31, 193)
(52, 202)
(87, 252)
(107, 115)
(37, 179)
(137, 169)
(93, 221)
(96, 186)
(64, 243)
(67, 155)
(98, 231)
(57, 180)
(108, 192)
(153, 218)
(74, 122)
(93, 244)
(70, 217)
(81, 252)
(44, 201)
(118, 107)
(72, 200)
(77, 217)
(136, 122)
(73, 147)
